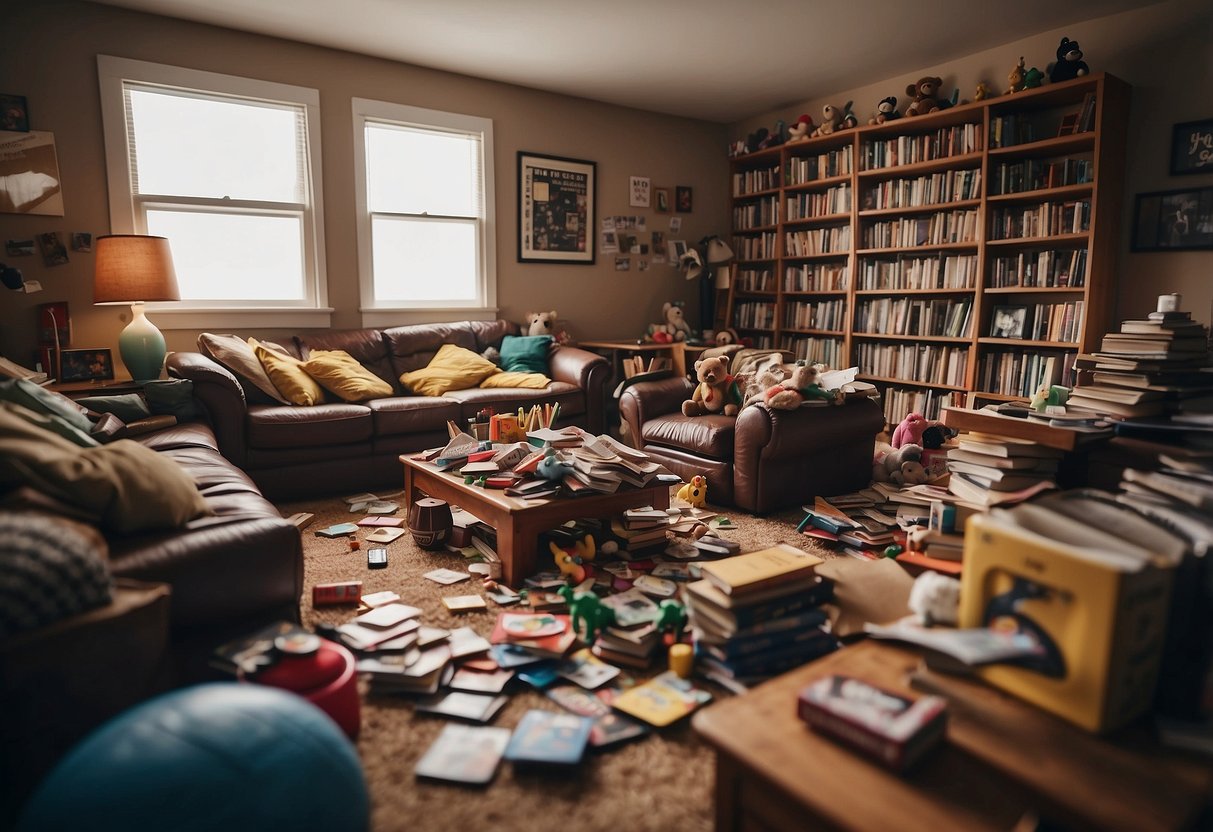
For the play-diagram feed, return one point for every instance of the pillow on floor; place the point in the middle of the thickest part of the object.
(127, 487)
(525, 353)
(340, 373)
(530, 381)
(288, 376)
(236, 354)
(452, 368)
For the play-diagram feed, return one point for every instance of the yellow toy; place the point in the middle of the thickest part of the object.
(694, 492)
(572, 561)
(983, 92)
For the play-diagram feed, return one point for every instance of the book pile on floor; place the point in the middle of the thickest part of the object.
(989, 470)
(1151, 367)
(756, 615)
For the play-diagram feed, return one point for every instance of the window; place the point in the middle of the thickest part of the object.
(228, 169)
(426, 237)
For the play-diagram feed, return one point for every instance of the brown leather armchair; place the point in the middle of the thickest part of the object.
(761, 460)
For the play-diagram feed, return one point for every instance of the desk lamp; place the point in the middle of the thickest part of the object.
(132, 268)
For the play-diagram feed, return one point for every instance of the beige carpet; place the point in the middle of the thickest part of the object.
(663, 782)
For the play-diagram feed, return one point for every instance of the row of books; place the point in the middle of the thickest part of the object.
(755, 280)
(936, 229)
(903, 316)
(754, 314)
(755, 181)
(906, 271)
(1060, 322)
(1035, 174)
(931, 189)
(756, 247)
(813, 350)
(835, 200)
(804, 169)
(906, 150)
(1016, 373)
(1049, 268)
(1044, 220)
(816, 277)
(830, 315)
(756, 214)
(926, 363)
(898, 401)
(834, 239)
(1022, 128)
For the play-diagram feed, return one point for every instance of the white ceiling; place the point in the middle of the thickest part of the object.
(719, 60)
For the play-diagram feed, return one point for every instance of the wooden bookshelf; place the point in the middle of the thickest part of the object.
(921, 236)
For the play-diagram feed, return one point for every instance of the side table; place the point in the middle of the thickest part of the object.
(81, 389)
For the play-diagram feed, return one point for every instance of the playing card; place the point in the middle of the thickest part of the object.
(587, 670)
(464, 603)
(388, 615)
(464, 754)
(473, 707)
(378, 599)
(471, 681)
(446, 576)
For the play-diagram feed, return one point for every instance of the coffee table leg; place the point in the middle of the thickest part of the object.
(408, 490)
(516, 543)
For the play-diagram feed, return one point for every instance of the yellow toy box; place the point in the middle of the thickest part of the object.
(1091, 581)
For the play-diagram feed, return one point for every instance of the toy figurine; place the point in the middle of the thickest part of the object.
(671, 619)
(573, 560)
(551, 468)
(1070, 64)
(909, 432)
(694, 492)
(1033, 78)
(1049, 396)
(587, 613)
(983, 92)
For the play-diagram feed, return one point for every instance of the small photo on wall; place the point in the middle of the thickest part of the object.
(14, 113)
(54, 253)
(82, 241)
(661, 200)
(683, 202)
(623, 264)
(19, 248)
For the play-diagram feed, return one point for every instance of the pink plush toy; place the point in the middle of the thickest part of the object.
(909, 432)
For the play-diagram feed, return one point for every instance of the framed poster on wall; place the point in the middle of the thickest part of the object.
(556, 213)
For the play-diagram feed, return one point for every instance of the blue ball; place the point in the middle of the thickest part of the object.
(221, 756)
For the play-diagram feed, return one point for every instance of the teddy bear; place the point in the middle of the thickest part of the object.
(801, 130)
(727, 336)
(540, 323)
(799, 387)
(717, 391)
(886, 110)
(1070, 64)
(901, 466)
(831, 117)
(923, 94)
(675, 322)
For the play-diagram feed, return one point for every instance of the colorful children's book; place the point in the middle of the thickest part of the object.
(662, 700)
(587, 670)
(553, 645)
(464, 754)
(544, 738)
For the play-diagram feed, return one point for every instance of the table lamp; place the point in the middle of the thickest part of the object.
(133, 268)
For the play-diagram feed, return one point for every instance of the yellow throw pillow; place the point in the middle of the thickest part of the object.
(452, 368)
(531, 381)
(341, 374)
(287, 373)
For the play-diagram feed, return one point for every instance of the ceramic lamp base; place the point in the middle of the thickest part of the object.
(142, 346)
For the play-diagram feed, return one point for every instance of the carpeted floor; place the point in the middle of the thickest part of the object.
(663, 782)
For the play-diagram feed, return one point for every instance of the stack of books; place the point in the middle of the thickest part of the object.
(988, 469)
(1151, 367)
(756, 615)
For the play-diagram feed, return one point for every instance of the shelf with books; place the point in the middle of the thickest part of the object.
(926, 365)
(1019, 374)
(927, 197)
(741, 198)
(910, 382)
(826, 349)
(823, 317)
(757, 215)
(898, 401)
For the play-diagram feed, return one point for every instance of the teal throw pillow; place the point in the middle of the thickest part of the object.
(47, 402)
(171, 397)
(128, 408)
(525, 353)
(58, 425)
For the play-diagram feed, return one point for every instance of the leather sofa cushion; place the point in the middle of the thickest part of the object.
(710, 436)
(327, 424)
(412, 414)
(367, 346)
(509, 399)
(413, 347)
(236, 354)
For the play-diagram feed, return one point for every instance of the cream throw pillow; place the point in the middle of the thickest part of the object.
(236, 354)
(288, 375)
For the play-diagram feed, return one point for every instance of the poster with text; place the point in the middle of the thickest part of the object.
(29, 174)
(556, 222)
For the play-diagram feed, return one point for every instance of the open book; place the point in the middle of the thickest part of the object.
(11, 370)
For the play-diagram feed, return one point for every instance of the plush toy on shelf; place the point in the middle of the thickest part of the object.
(1016, 77)
(924, 95)
(754, 141)
(776, 137)
(801, 130)
(694, 492)
(849, 118)
(831, 117)
(1070, 64)
(983, 92)
(727, 336)
(717, 392)
(886, 110)
(1033, 78)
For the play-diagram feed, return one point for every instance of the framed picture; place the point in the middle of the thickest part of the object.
(1173, 220)
(1008, 321)
(29, 174)
(1192, 147)
(682, 199)
(14, 113)
(661, 200)
(677, 249)
(638, 191)
(556, 213)
(86, 365)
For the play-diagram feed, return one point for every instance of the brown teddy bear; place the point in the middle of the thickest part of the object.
(923, 94)
(831, 119)
(717, 391)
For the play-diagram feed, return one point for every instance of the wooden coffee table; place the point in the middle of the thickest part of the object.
(520, 522)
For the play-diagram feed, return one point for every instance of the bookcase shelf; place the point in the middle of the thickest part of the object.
(940, 198)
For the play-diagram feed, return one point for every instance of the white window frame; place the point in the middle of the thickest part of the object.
(384, 313)
(127, 209)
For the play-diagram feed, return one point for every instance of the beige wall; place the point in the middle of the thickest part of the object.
(50, 57)
(1165, 52)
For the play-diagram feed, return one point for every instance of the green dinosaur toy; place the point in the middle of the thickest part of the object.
(671, 618)
(587, 613)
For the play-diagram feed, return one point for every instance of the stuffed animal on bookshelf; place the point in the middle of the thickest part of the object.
(573, 560)
(671, 619)
(983, 92)
(551, 468)
(1033, 78)
(1070, 64)
(675, 321)
(886, 110)
(831, 117)
(923, 94)
(909, 431)
(1015, 78)
(587, 614)
(801, 130)
(694, 492)
(799, 387)
(776, 137)
(717, 391)
(754, 141)
(849, 119)
(900, 466)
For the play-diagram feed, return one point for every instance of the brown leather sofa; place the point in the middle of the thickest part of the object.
(761, 460)
(293, 452)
